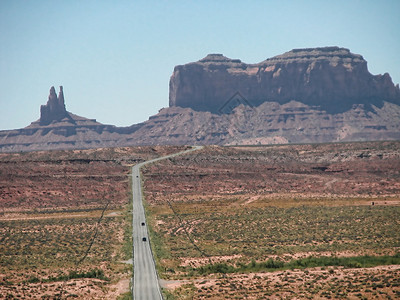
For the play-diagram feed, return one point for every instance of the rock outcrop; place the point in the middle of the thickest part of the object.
(59, 129)
(270, 123)
(304, 96)
(331, 78)
(54, 110)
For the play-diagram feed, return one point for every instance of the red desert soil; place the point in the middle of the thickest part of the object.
(64, 222)
(344, 170)
(230, 205)
(69, 179)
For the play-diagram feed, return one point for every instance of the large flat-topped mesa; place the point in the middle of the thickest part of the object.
(328, 54)
(331, 78)
(312, 95)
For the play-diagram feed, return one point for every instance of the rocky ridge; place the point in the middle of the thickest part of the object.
(356, 106)
(271, 123)
(59, 129)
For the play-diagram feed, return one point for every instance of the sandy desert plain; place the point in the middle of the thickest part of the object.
(317, 221)
(65, 222)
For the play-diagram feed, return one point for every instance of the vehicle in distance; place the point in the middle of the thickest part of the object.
(142, 223)
(144, 239)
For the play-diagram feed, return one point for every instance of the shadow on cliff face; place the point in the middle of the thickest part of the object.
(231, 120)
(335, 107)
(343, 105)
(233, 102)
(330, 79)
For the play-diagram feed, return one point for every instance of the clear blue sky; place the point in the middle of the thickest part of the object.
(115, 58)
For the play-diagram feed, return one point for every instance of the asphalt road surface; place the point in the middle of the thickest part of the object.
(145, 279)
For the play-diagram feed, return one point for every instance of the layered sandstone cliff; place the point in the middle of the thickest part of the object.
(302, 96)
(331, 78)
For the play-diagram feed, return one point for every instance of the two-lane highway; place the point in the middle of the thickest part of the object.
(145, 279)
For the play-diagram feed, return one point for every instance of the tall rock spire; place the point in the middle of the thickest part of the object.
(61, 102)
(54, 110)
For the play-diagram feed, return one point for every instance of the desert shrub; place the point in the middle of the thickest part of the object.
(216, 268)
(347, 262)
(308, 262)
(33, 279)
(272, 264)
(95, 273)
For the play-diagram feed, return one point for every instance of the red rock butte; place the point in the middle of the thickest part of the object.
(331, 78)
(315, 95)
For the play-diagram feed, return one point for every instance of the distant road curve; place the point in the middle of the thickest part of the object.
(145, 279)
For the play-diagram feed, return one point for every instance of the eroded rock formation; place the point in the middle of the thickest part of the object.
(304, 96)
(331, 78)
(54, 110)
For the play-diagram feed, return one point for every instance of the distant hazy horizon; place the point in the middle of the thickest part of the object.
(115, 59)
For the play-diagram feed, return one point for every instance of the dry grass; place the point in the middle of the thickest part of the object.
(207, 230)
(38, 255)
(53, 239)
(236, 206)
(330, 283)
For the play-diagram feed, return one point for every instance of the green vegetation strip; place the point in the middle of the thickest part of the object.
(96, 273)
(308, 262)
